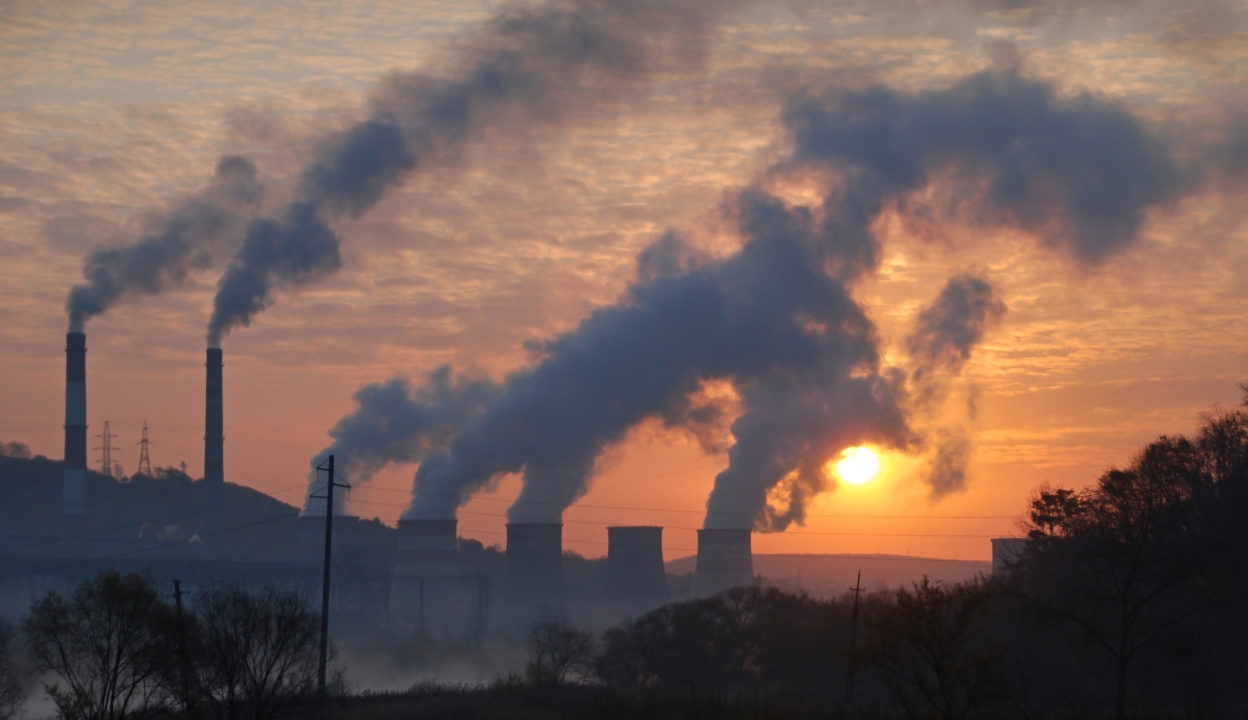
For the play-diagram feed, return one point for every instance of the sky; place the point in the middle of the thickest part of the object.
(1107, 327)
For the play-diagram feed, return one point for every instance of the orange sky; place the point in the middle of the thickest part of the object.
(108, 110)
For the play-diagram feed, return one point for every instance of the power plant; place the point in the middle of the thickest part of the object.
(535, 579)
(725, 560)
(430, 594)
(636, 576)
(419, 579)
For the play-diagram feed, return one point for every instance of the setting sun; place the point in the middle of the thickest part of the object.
(858, 465)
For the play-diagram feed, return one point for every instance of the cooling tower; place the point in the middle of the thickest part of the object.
(214, 448)
(724, 561)
(428, 593)
(535, 566)
(637, 579)
(74, 490)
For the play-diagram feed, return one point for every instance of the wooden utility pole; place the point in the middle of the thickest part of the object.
(853, 641)
(330, 483)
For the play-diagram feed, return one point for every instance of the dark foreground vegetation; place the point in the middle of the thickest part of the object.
(1128, 599)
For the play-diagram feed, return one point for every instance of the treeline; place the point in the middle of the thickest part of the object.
(1128, 598)
(115, 648)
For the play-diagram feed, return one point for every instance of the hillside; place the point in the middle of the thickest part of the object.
(154, 517)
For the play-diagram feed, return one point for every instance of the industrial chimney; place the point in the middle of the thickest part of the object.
(637, 579)
(214, 448)
(724, 561)
(74, 490)
(534, 566)
(429, 594)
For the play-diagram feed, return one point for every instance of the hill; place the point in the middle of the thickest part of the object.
(831, 575)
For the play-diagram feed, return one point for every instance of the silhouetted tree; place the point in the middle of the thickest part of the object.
(931, 648)
(1123, 561)
(253, 654)
(106, 642)
(12, 693)
(559, 651)
(744, 636)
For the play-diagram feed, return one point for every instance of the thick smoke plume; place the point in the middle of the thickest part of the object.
(396, 423)
(777, 320)
(941, 344)
(1078, 173)
(530, 68)
(192, 236)
(770, 319)
(947, 332)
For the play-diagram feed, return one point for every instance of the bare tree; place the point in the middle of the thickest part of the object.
(11, 691)
(106, 642)
(558, 651)
(255, 653)
(932, 651)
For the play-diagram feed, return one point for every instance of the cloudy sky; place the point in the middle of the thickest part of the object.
(1117, 273)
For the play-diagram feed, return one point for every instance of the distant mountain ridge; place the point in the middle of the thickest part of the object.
(829, 575)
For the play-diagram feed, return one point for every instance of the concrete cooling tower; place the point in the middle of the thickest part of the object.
(637, 579)
(534, 563)
(725, 560)
(429, 594)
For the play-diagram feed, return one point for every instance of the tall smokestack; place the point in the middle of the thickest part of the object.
(74, 491)
(637, 578)
(535, 566)
(214, 448)
(725, 560)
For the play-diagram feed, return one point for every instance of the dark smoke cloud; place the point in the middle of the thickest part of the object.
(397, 423)
(947, 332)
(776, 319)
(944, 336)
(191, 237)
(769, 319)
(1079, 173)
(951, 452)
(293, 250)
(529, 68)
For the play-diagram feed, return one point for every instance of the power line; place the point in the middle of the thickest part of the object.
(642, 509)
(679, 527)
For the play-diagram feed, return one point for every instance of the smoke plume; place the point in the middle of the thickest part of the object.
(194, 234)
(1078, 173)
(942, 341)
(397, 423)
(947, 331)
(776, 318)
(768, 318)
(529, 68)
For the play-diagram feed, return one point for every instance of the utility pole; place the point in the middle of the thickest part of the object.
(145, 462)
(330, 483)
(853, 641)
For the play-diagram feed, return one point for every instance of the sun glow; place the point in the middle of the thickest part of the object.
(858, 465)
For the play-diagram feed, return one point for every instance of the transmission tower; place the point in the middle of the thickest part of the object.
(145, 462)
(106, 462)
